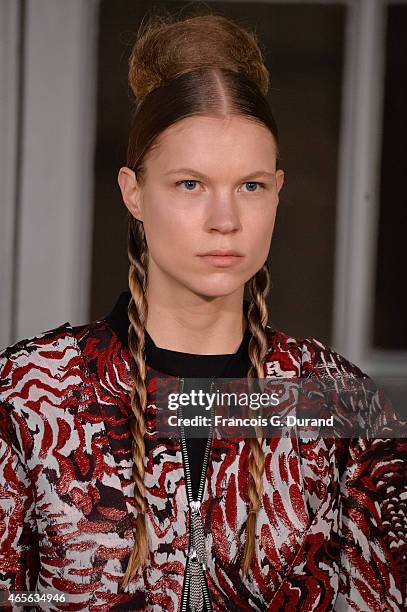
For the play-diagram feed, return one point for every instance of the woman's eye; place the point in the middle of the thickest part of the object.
(253, 185)
(189, 184)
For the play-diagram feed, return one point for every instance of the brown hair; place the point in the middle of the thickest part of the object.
(201, 65)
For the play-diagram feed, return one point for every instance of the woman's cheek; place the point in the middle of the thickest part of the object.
(260, 237)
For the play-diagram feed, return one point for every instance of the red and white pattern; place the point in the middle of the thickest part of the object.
(331, 533)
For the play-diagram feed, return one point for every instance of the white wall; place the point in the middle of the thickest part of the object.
(51, 266)
(9, 122)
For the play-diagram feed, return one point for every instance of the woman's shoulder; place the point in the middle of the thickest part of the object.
(44, 360)
(311, 356)
(42, 349)
(50, 357)
(323, 370)
(52, 345)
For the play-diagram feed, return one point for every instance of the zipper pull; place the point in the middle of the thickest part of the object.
(198, 551)
(195, 507)
(193, 556)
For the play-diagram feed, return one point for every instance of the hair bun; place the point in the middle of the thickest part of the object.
(166, 49)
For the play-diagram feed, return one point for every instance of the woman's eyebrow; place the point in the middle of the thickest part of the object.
(192, 172)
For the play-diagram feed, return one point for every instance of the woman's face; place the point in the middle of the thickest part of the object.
(209, 184)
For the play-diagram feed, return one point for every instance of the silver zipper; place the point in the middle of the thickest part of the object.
(195, 556)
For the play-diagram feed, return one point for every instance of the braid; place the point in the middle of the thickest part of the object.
(257, 321)
(137, 312)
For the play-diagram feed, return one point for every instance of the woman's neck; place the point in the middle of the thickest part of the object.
(200, 329)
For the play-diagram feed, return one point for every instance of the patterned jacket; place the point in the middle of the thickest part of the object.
(331, 532)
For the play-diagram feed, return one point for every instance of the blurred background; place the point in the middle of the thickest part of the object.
(338, 93)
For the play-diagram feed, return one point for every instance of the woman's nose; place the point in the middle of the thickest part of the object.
(223, 215)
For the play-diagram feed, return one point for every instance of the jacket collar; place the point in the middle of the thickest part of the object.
(166, 360)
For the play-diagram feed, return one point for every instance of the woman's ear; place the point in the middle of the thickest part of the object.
(131, 192)
(279, 183)
(280, 179)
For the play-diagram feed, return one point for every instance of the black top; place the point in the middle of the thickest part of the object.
(185, 365)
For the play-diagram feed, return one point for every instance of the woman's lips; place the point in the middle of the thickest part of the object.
(222, 261)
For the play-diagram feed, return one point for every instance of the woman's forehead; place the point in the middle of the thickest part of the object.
(210, 141)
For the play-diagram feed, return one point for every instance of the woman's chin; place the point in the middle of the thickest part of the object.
(216, 290)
